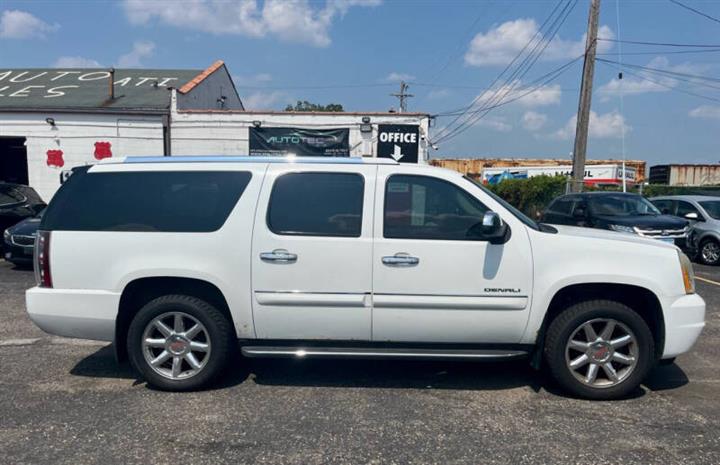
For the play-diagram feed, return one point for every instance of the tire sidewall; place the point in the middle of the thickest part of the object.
(217, 333)
(555, 355)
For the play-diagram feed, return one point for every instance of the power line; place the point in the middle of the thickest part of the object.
(507, 67)
(663, 52)
(665, 71)
(661, 84)
(698, 12)
(512, 81)
(660, 44)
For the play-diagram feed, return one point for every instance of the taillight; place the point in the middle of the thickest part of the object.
(42, 259)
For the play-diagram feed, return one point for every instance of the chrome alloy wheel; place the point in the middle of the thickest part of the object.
(601, 353)
(176, 345)
(710, 252)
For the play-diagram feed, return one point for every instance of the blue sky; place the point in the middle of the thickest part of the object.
(354, 52)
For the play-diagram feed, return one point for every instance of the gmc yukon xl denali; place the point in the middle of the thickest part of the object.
(183, 262)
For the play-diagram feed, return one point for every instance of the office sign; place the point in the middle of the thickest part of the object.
(399, 142)
(301, 142)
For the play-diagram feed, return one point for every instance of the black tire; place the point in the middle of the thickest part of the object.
(702, 257)
(218, 328)
(565, 324)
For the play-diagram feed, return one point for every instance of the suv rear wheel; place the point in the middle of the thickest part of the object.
(179, 343)
(599, 349)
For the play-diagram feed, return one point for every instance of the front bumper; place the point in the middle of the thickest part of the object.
(684, 321)
(76, 313)
(17, 254)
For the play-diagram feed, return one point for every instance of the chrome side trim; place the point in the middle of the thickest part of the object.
(311, 299)
(450, 302)
(300, 352)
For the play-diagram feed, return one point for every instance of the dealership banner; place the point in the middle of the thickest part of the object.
(300, 141)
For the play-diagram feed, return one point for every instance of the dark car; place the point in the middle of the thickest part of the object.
(618, 211)
(17, 202)
(19, 240)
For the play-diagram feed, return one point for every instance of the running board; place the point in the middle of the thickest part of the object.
(347, 352)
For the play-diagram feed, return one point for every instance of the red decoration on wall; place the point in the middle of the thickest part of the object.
(55, 158)
(102, 150)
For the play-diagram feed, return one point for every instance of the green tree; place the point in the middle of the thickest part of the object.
(307, 106)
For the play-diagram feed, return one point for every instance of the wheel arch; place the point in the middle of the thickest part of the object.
(640, 299)
(140, 291)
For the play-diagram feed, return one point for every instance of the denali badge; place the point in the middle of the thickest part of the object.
(503, 290)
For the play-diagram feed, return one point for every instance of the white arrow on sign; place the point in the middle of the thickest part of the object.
(397, 154)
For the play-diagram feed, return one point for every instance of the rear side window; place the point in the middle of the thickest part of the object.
(317, 204)
(161, 201)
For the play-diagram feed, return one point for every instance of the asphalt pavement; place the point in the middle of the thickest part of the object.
(67, 401)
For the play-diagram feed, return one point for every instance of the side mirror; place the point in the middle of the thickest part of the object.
(692, 216)
(492, 229)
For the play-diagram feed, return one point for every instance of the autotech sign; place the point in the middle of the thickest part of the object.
(399, 142)
(300, 142)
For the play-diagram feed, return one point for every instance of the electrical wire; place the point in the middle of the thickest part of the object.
(661, 84)
(672, 74)
(660, 44)
(512, 81)
(698, 12)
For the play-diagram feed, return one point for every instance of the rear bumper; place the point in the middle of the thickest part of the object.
(82, 314)
(684, 321)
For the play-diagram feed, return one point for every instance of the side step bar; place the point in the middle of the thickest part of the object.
(348, 352)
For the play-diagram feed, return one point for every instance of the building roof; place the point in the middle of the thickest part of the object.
(89, 88)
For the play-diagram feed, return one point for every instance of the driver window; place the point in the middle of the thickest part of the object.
(685, 207)
(422, 207)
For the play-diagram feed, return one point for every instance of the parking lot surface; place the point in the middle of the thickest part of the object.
(67, 401)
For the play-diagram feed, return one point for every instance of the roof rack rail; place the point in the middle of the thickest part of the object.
(250, 159)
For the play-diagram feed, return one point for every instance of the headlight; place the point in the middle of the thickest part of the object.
(6, 235)
(688, 274)
(622, 228)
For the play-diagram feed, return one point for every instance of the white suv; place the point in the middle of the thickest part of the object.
(180, 260)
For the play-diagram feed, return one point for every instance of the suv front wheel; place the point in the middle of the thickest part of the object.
(599, 349)
(179, 343)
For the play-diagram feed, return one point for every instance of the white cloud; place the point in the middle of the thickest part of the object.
(252, 80)
(438, 94)
(706, 111)
(16, 24)
(141, 49)
(656, 82)
(397, 77)
(496, 124)
(76, 62)
(263, 100)
(288, 20)
(499, 45)
(515, 94)
(606, 126)
(533, 121)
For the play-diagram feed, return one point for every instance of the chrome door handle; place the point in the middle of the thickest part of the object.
(278, 256)
(400, 259)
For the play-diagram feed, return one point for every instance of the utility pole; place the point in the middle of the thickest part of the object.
(403, 96)
(583, 117)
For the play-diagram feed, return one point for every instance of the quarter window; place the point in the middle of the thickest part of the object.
(317, 204)
(421, 207)
(152, 201)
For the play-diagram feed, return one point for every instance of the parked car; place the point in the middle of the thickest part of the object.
(703, 213)
(621, 212)
(17, 202)
(179, 260)
(20, 240)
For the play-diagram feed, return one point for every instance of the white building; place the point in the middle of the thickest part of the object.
(54, 119)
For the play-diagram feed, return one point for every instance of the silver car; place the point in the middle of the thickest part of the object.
(703, 212)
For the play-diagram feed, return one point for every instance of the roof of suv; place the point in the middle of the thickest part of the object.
(250, 159)
(696, 198)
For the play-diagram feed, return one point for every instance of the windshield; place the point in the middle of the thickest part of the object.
(621, 205)
(517, 213)
(712, 207)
